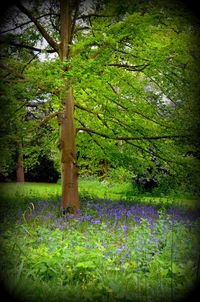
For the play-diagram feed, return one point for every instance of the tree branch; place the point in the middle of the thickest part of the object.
(25, 23)
(81, 28)
(94, 15)
(154, 137)
(40, 28)
(130, 67)
(29, 62)
(133, 110)
(74, 21)
(126, 108)
(48, 118)
(161, 88)
(132, 138)
(90, 134)
(90, 111)
(128, 142)
(12, 71)
(130, 54)
(22, 45)
(89, 130)
(156, 155)
(91, 27)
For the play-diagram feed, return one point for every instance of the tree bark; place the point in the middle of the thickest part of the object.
(20, 166)
(69, 168)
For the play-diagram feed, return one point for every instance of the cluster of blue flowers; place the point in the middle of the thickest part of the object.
(127, 228)
(137, 238)
(107, 211)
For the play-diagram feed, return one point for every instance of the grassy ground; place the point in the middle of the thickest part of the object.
(92, 188)
(120, 247)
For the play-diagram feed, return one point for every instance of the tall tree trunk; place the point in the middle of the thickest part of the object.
(20, 166)
(70, 200)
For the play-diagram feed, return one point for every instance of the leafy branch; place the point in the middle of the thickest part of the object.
(40, 28)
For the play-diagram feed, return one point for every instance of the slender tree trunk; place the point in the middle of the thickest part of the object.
(20, 166)
(70, 200)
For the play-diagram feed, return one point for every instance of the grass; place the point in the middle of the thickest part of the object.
(135, 249)
(93, 189)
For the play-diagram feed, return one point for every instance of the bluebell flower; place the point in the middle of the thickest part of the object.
(118, 250)
(124, 227)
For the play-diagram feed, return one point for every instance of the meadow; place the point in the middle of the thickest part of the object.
(120, 247)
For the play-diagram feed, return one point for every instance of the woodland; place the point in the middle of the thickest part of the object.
(99, 150)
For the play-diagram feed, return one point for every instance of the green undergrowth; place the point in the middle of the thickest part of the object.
(114, 250)
(47, 264)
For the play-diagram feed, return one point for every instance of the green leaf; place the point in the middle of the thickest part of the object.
(85, 264)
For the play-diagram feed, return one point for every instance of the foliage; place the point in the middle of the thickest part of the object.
(120, 101)
(135, 76)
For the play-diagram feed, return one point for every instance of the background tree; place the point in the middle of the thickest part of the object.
(24, 128)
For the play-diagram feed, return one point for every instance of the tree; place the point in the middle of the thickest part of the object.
(12, 117)
(21, 132)
(130, 67)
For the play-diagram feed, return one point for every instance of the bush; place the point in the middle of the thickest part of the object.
(120, 174)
